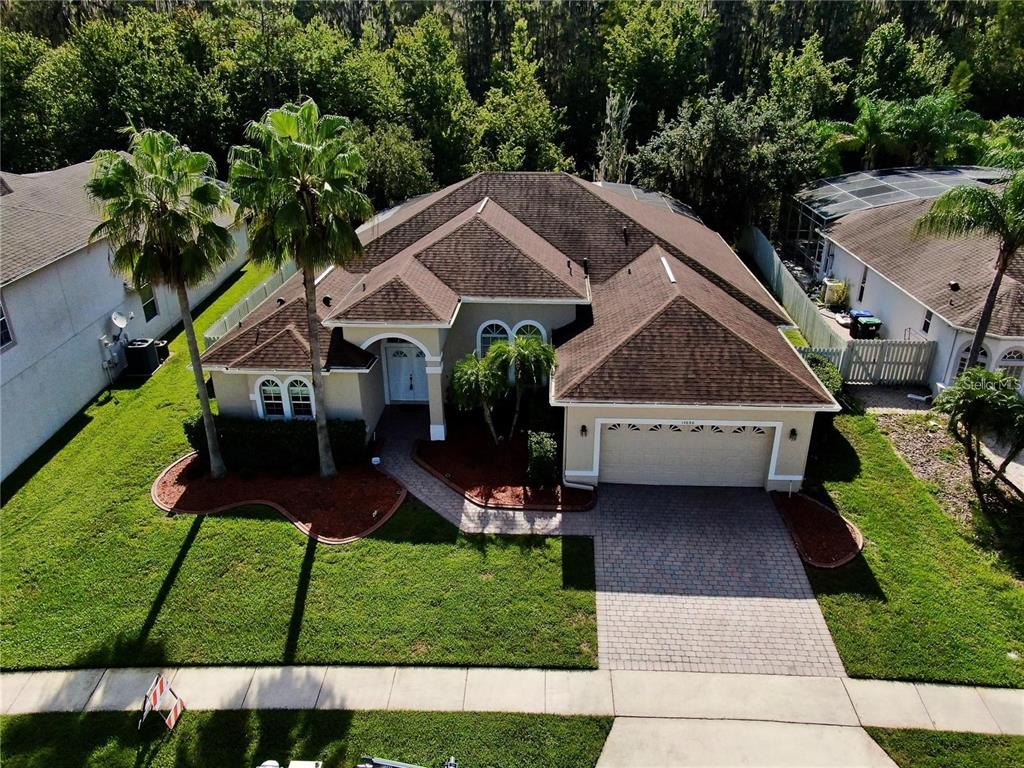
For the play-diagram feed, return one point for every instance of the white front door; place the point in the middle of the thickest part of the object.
(407, 373)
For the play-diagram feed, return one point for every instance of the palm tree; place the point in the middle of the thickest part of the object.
(158, 204)
(997, 213)
(871, 132)
(298, 193)
(477, 383)
(529, 359)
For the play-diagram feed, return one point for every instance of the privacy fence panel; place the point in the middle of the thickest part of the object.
(881, 361)
(788, 291)
(257, 296)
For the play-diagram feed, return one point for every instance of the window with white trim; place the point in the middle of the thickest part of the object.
(961, 365)
(6, 336)
(271, 399)
(491, 333)
(530, 330)
(148, 299)
(300, 398)
(1012, 363)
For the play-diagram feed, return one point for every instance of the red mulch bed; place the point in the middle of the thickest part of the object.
(494, 476)
(348, 506)
(823, 537)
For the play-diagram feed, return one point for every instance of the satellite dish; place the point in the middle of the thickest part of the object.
(118, 319)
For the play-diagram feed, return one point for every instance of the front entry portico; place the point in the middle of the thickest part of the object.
(406, 367)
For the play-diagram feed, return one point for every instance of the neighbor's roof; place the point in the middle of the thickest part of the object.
(710, 337)
(883, 238)
(45, 217)
(837, 196)
(686, 342)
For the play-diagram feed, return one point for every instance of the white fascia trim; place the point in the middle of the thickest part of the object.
(776, 426)
(379, 324)
(514, 300)
(427, 357)
(276, 371)
(830, 408)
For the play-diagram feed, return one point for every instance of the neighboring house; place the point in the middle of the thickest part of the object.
(57, 296)
(671, 366)
(921, 287)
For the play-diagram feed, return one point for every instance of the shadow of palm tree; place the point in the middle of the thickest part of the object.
(291, 643)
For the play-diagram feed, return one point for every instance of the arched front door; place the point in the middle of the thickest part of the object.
(407, 373)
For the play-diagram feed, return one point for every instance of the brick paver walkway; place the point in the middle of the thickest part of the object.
(704, 580)
(401, 427)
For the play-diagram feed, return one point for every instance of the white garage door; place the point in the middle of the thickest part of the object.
(673, 454)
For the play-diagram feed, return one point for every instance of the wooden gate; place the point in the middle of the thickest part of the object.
(881, 361)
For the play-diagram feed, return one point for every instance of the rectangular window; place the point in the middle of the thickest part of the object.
(927, 321)
(6, 337)
(863, 284)
(149, 308)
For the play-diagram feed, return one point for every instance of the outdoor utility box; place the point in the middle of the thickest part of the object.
(865, 327)
(163, 350)
(141, 357)
(833, 290)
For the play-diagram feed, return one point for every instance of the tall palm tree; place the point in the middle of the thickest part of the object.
(997, 213)
(298, 193)
(158, 204)
(529, 359)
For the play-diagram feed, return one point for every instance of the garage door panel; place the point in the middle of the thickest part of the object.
(665, 454)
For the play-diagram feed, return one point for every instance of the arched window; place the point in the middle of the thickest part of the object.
(491, 332)
(961, 366)
(271, 399)
(301, 399)
(530, 328)
(1012, 363)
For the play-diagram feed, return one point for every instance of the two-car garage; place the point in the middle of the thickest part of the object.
(672, 453)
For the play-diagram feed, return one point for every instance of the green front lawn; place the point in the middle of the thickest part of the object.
(94, 574)
(924, 602)
(931, 749)
(206, 739)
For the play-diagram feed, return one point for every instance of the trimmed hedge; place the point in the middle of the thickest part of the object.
(827, 372)
(252, 446)
(542, 469)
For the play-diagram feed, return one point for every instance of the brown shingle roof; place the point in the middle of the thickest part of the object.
(883, 238)
(686, 342)
(277, 339)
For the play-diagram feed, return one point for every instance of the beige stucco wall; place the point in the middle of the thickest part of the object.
(431, 338)
(791, 455)
(461, 338)
(343, 392)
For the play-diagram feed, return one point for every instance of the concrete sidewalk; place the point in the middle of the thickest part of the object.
(622, 693)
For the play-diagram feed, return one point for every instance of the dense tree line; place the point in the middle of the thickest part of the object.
(724, 104)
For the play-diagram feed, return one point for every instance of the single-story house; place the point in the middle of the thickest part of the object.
(671, 365)
(928, 287)
(859, 228)
(58, 344)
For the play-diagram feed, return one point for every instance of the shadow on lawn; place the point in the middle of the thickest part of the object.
(139, 649)
(291, 643)
(57, 443)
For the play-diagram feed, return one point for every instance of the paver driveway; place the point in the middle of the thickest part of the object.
(704, 580)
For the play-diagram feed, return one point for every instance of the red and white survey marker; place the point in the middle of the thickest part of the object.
(161, 696)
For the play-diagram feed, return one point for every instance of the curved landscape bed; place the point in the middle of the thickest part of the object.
(349, 506)
(823, 537)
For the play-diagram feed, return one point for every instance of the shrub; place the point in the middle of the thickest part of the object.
(253, 446)
(542, 469)
(827, 372)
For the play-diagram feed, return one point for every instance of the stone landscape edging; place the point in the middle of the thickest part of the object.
(275, 506)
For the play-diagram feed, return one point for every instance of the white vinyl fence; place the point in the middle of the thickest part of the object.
(788, 291)
(881, 361)
(257, 296)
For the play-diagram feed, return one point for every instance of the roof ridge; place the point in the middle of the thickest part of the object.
(394, 221)
(259, 347)
(395, 277)
(526, 254)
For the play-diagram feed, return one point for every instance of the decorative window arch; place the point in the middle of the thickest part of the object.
(270, 398)
(490, 332)
(965, 352)
(1012, 363)
(530, 328)
(300, 399)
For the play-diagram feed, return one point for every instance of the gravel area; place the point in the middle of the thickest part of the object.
(879, 399)
(934, 456)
